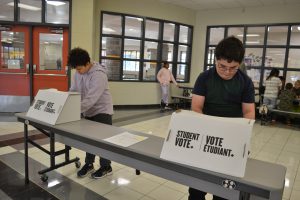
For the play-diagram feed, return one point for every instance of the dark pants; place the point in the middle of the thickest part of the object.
(199, 195)
(105, 119)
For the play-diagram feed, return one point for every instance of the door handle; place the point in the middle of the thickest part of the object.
(27, 68)
(67, 69)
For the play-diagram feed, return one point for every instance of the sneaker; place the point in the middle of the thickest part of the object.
(102, 172)
(85, 170)
(167, 108)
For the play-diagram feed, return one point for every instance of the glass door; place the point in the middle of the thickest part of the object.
(50, 52)
(14, 68)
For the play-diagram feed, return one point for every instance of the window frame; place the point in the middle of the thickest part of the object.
(264, 46)
(143, 39)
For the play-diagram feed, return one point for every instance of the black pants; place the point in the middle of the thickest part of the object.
(195, 194)
(105, 119)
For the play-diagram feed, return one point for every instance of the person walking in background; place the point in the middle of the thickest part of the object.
(273, 85)
(224, 90)
(91, 81)
(164, 76)
(286, 99)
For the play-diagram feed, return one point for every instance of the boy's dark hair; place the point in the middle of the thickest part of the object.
(288, 86)
(78, 57)
(230, 49)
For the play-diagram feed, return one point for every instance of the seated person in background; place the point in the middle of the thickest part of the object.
(297, 88)
(286, 98)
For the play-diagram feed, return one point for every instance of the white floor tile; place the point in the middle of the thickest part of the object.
(142, 185)
(124, 194)
(6, 150)
(101, 186)
(165, 193)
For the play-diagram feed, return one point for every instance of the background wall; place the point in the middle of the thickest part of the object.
(86, 34)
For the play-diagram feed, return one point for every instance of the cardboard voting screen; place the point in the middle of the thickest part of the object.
(55, 107)
(213, 143)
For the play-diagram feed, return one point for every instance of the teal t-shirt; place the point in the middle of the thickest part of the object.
(224, 98)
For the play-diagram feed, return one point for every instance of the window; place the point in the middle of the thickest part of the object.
(37, 11)
(152, 28)
(267, 46)
(57, 12)
(7, 10)
(134, 47)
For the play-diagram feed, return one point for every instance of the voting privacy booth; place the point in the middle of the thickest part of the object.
(213, 143)
(52, 107)
(55, 107)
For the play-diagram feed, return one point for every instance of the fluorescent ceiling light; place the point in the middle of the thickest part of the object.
(249, 35)
(298, 28)
(252, 42)
(55, 3)
(2, 16)
(139, 19)
(24, 6)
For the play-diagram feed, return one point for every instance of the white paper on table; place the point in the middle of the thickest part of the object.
(125, 139)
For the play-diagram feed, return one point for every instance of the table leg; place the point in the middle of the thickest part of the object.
(26, 152)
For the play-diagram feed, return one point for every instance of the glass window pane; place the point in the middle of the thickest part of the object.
(184, 34)
(182, 53)
(253, 57)
(277, 35)
(295, 35)
(150, 50)
(113, 68)
(132, 49)
(131, 70)
(57, 12)
(30, 10)
(255, 36)
(112, 24)
(211, 55)
(216, 35)
(152, 29)
(50, 51)
(12, 50)
(149, 71)
(181, 72)
(254, 74)
(236, 32)
(294, 61)
(275, 57)
(111, 47)
(169, 29)
(133, 26)
(167, 52)
(7, 10)
(292, 76)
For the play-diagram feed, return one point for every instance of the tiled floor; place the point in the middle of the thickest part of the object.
(277, 143)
